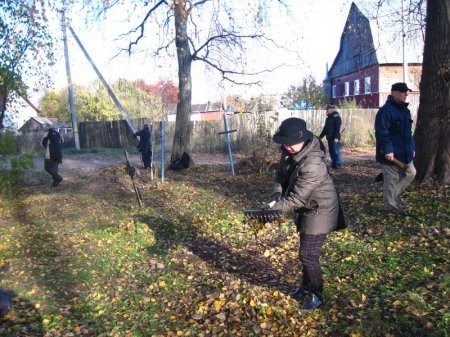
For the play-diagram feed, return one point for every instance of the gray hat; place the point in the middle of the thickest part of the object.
(292, 131)
(330, 106)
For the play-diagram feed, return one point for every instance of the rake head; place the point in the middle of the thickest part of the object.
(263, 215)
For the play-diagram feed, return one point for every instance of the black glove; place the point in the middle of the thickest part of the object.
(275, 197)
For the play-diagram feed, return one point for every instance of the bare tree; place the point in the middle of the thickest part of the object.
(432, 134)
(221, 48)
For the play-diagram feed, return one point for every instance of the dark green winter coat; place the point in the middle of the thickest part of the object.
(307, 189)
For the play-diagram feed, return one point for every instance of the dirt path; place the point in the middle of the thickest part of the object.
(75, 165)
(92, 161)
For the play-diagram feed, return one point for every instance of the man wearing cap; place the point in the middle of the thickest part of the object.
(145, 145)
(302, 185)
(332, 132)
(395, 148)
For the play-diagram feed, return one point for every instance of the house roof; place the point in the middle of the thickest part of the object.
(206, 107)
(375, 37)
(45, 120)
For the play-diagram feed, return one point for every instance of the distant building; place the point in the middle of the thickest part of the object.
(369, 61)
(36, 124)
(203, 112)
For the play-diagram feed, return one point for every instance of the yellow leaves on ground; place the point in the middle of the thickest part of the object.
(185, 265)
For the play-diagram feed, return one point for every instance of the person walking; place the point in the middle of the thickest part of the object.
(303, 185)
(52, 153)
(332, 132)
(145, 145)
(395, 148)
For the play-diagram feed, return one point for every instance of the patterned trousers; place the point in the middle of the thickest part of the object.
(309, 253)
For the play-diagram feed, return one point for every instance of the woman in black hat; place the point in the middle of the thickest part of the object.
(303, 185)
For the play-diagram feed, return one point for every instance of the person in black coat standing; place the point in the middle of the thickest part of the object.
(332, 132)
(145, 145)
(394, 145)
(304, 186)
(53, 154)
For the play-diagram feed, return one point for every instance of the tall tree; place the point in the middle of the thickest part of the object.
(432, 134)
(94, 104)
(166, 90)
(307, 95)
(221, 45)
(25, 49)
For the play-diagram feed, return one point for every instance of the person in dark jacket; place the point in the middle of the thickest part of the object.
(53, 154)
(145, 145)
(303, 185)
(332, 132)
(394, 142)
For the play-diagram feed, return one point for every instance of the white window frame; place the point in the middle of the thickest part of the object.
(367, 85)
(333, 91)
(346, 89)
(356, 87)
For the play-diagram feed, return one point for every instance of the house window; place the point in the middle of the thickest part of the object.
(367, 88)
(333, 89)
(356, 87)
(347, 89)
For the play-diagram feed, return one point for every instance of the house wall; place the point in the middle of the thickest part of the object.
(204, 116)
(382, 78)
(390, 74)
(31, 126)
(363, 100)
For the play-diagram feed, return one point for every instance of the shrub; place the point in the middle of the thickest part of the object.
(8, 144)
(9, 178)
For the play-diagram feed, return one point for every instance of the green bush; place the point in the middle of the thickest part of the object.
(9, 178)
(8, 144)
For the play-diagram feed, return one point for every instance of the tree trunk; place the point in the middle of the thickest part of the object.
(182, 135)
(3, 101)
(432, 134)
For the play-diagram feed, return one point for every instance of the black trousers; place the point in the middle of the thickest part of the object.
(146, 155)
(309, 253)
(51, 167)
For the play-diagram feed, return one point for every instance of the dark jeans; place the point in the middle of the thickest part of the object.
(51, 167)
(146, 155)
(335, 153)
(309, 253)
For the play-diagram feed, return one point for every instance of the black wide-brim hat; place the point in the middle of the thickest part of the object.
(292, 131)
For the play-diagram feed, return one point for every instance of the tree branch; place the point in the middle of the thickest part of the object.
(140, 27)
(225, 37)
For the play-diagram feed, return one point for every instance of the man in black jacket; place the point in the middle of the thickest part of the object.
(53, 155)
(332, 132)
(145, 145)
(395, 145)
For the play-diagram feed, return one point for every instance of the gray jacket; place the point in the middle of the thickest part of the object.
(307, 189)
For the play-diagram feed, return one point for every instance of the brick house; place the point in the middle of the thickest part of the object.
(369, 61)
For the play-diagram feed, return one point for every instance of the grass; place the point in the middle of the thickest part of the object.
(84, 260)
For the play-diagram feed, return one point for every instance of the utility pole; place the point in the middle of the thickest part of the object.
(105, 84)
(405, 62)
(70, 88)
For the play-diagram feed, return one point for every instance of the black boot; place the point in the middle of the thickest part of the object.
(297, 293)
(314, 301)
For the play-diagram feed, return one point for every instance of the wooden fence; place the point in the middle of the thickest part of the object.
(206, 138)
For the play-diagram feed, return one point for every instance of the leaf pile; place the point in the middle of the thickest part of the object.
(84, 260)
